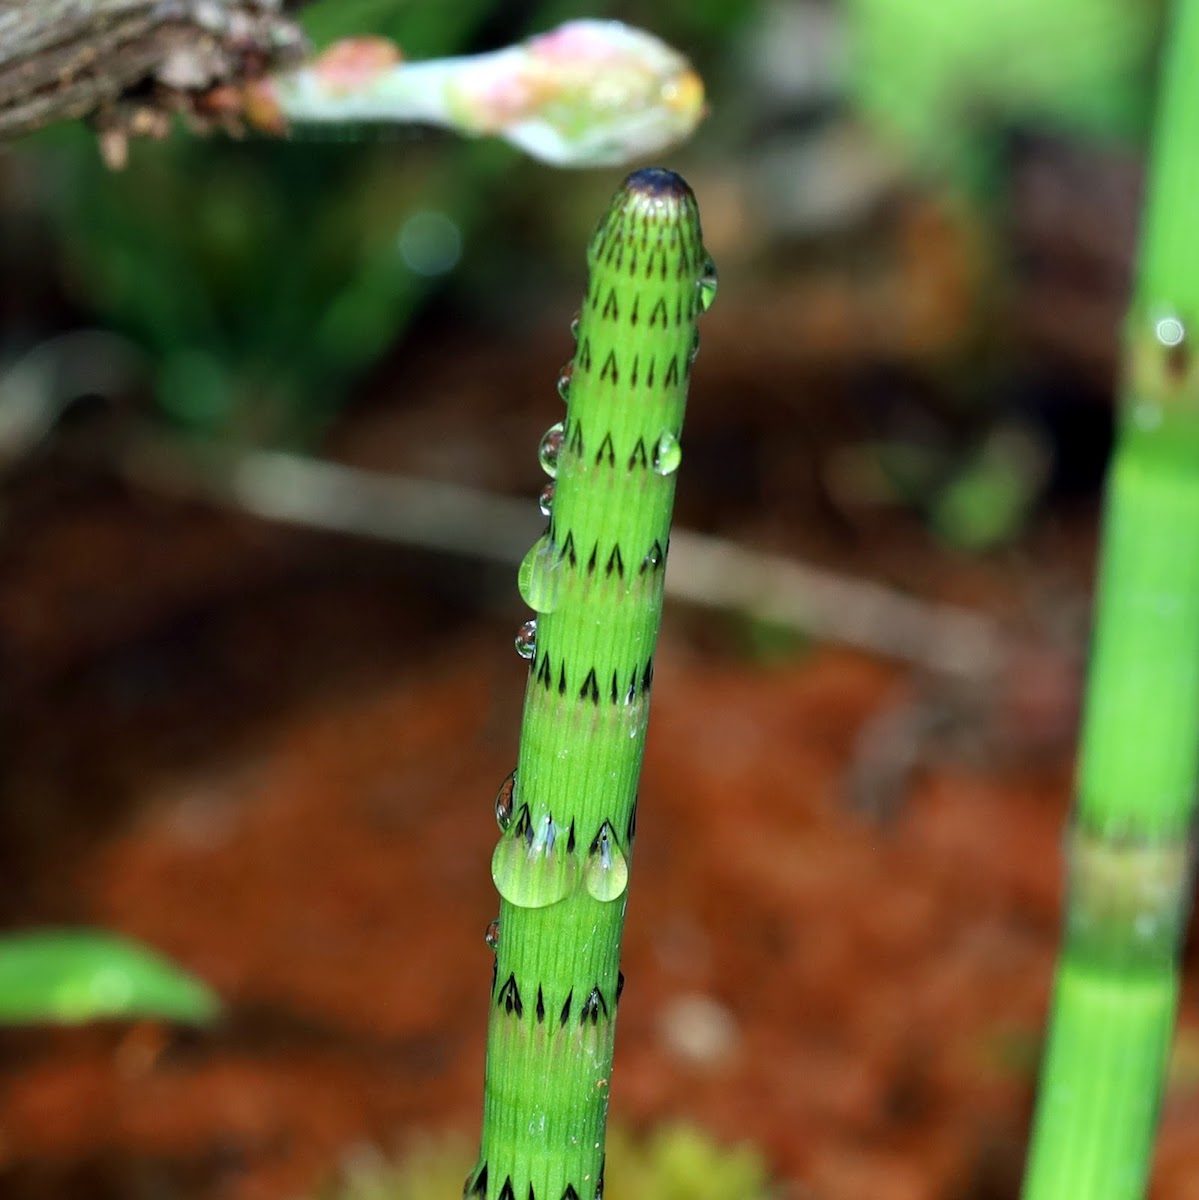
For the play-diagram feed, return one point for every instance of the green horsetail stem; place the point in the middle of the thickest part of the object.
(1129, 850)
(568, 812)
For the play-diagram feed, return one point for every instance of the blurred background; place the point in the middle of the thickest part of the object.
(257, 682)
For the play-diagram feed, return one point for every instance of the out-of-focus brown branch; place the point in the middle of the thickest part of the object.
(129, 64)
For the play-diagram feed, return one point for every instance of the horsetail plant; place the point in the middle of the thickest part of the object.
(1129, 848)
(568, 812)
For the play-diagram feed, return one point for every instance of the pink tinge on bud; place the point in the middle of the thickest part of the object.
(353, 63)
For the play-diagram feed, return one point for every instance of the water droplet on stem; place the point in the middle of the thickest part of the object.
(492, 935)
(539, 578)
(545, 502)
(505, 799)
(707, 285)
(606, 871)
(551, 448)
(526, 639)
(667, 454)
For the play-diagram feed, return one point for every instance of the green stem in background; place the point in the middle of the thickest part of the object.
(1129, 880)
(568, 813)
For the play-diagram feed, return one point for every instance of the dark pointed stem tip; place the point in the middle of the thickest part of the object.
(658, 183)
(656, 194)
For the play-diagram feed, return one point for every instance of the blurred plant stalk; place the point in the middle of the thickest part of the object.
(1129, 849)
(588, 93)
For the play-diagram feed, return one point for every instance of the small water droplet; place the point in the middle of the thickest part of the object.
(540, 576)
(564, 378)
(653, 558)
(574, 326)
(707, 285)
(492, 936)
(505, 798)
(531, 866)
(545, 502)
(551, 448)
(667, 454)
(526, 639)
(606, 871)
(1170, 331)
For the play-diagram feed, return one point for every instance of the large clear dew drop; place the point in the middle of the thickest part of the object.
(606, 871)
(668, 453)
(707, 285)
(550, 449)
(532, 866)
(539, 578)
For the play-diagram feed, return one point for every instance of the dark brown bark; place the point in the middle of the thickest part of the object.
(130, 63)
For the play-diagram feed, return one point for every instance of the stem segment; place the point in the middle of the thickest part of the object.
(568, 814)
(1129, 885)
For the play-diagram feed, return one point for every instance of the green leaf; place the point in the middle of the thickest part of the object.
(69, 976)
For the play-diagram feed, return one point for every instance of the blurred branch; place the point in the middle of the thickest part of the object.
(130, 63)
(708, 572)
(586, 93)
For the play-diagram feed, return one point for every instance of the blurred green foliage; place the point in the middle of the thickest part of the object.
(69, 976)
(934, 78)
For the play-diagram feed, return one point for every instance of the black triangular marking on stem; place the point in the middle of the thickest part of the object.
(610, 369)
(509, 998)
(495, 974)
(545, 672)
(619, 985)
(570, 839)
(591, 561)
(647, 677)
(562, 679)
(632, 260)
(611, 312)
(568, 550)
(476, 1183)
(659, 313)
(678, 310)
(523, 825)
(611, 451)
(631, 827)
(672, 372)
(615, 562)
(662, 267)
(564, 1016)
(570, 1193)
(583, 358)
(590, 688)
(649, 375)
(532, 1194)
(603, 834)
(507, 1192)
(575, 445)
(541, 1005)
(593, 1006)
(631, 694)
(639, 456)
(633, 373)
(615, 688)
(653, 558)
(634, 315)
(683, 267)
